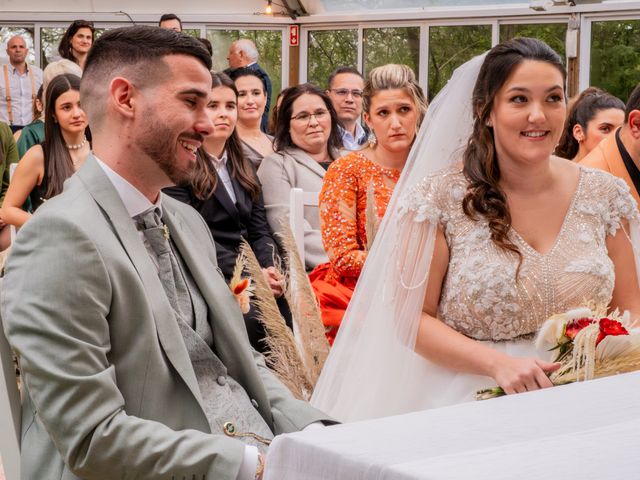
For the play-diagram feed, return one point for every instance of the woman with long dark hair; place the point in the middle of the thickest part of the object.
(44, 168)
(77, 41)
(226, 191)
(479, 255)
(593, 116)
(252, 100)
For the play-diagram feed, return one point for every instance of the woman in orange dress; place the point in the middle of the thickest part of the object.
(357, 187)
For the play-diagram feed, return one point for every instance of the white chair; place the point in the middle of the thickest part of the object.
(298, 199)
(10, 409)
(12, 228)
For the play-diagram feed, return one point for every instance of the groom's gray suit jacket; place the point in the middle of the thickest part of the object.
(109, 390)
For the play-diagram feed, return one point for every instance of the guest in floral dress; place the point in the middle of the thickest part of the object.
(357, 187)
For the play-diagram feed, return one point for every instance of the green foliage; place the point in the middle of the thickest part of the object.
(391, 45)
(450, 47)
(615, 56)
(268, 43)
(328, 50)
(553, 34)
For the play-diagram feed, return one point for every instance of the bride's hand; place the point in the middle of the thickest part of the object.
(517, 375)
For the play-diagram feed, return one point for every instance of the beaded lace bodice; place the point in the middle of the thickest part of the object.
(480, 296)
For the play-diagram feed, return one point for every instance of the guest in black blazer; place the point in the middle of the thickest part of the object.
(226, 191)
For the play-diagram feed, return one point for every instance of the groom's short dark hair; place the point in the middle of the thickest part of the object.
(136, 53)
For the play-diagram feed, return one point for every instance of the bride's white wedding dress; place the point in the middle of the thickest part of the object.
(372, 369)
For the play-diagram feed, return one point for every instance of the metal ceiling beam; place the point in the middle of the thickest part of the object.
(295, 8)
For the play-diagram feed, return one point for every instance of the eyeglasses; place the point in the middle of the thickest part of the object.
(305, 117)
(343, 92)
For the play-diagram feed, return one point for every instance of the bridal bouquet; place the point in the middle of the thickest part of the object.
(589, 344)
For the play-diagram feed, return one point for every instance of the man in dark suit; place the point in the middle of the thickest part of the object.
(135, 359)
(243, 53)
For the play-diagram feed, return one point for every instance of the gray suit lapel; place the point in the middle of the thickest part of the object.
(105, 195)
(301, 157)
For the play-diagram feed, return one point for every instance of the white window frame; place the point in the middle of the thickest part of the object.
(586, 20)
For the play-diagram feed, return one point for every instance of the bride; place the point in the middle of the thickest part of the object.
(473, 258)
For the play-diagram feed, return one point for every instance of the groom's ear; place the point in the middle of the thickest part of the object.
(633, 123)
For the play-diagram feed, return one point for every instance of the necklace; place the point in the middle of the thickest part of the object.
(77, 146)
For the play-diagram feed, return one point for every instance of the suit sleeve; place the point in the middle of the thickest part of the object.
(260, 238)
(60, 331)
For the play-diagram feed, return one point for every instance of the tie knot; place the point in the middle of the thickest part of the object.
(149, 219)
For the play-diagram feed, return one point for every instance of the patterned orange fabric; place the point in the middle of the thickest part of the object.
(343, 223)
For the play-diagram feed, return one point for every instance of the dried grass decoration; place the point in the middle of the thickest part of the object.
(590, 344)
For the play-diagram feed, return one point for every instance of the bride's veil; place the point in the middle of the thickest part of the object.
(372, 370)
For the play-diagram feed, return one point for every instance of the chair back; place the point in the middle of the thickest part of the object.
(10, 411)
(298, 199)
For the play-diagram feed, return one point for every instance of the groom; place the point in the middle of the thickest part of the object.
(133, 351)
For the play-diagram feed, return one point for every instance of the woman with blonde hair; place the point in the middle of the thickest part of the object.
(357, 187)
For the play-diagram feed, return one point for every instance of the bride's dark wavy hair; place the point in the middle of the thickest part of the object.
(484, 197)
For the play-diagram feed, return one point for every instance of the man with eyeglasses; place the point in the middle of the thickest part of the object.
(345, 87)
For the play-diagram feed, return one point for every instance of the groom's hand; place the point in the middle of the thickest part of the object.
(517, 375)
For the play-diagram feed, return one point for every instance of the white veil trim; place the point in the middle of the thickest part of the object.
(372, 370)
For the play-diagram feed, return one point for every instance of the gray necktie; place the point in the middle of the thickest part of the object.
(157, 234)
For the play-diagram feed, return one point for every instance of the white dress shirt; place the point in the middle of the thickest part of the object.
(21, 92)
(220, 164)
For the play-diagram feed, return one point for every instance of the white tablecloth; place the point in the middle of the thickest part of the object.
(588, 430)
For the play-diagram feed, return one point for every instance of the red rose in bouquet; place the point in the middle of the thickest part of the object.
(610, 327)
(573, 328)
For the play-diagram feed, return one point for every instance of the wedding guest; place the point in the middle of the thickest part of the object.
(394, 106)
(19, 83)
(170, 21)
(619, 154)
(307, 140)
(492, 236)
(244, 54)
(33, 134)
(252, 100)
(8, 155)
(76, 42)
(41, 173)
(344, 88)
(226, 191)
(592, 117)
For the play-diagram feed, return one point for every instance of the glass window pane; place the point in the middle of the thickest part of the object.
(450, 47)
(194, 32)
(553, 34)
(391, 45)
(615, 56)
(328, 50)
(268, 42)
(25, 32)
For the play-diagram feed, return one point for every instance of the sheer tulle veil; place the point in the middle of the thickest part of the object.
(372, 370)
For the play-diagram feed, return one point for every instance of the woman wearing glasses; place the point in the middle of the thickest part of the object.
(307, 140)
(358, 187)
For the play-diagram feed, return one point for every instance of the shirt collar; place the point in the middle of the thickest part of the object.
(14, 70)
(134, 201)
(219, 162)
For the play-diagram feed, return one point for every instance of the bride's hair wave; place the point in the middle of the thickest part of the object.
(484, 197)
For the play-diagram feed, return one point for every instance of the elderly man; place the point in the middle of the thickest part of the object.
(170, 21)
(243, 53)
(135, 358)
(619, 153)
(19, 84)
(344, 87)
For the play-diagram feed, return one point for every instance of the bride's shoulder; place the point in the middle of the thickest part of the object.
(605, 194)
(433, 194)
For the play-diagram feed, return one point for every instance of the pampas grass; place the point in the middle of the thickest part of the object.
(314, 347)
(283, 356)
